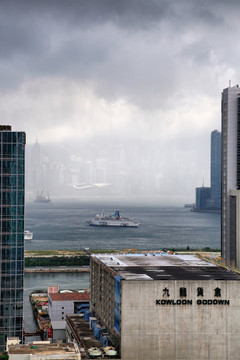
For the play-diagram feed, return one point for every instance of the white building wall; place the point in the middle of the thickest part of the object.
(59, 333)
(182, 332)
(44, 357)
(59, 309)
(19, 357)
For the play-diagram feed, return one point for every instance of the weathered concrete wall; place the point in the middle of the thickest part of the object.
(19, 357)
(199, 328)
(59, 334)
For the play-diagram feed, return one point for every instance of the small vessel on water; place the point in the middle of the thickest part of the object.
(113, 220)
(28, 235)
(41, 198)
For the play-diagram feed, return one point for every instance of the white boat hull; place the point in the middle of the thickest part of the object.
(113, 223)
(28, 235)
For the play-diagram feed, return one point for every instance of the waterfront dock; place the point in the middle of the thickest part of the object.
(39, 303)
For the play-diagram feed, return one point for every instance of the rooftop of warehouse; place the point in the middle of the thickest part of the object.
(163, 266)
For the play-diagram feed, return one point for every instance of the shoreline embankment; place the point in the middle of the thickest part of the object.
(58, 270)
(71, 261)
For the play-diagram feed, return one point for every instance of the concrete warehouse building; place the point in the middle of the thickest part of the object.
(162, 306)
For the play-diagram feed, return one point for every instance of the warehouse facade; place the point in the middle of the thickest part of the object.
(167, 306)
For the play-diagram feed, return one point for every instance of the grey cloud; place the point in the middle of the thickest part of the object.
(89, 11)
(28, 24)
(125, 48)
(199, 52)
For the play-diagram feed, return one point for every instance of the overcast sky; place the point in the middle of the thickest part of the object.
(136, 69)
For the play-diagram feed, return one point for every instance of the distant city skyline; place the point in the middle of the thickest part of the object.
(117, 168)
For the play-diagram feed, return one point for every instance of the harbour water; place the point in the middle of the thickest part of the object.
(63, 225)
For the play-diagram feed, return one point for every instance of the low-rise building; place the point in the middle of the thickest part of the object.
(61, 304)
(43, 350)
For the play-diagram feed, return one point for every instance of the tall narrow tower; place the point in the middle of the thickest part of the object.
(230, 228)
(12, 159)
(216, 169)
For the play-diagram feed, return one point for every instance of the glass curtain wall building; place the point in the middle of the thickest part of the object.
(12, 164)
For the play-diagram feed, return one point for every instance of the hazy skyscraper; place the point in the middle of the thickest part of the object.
(12, 159)
(36, 167)
(209, 199)
(203, 194)
(216, 169)
(230, 225)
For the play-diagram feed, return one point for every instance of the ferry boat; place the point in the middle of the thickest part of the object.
(28, 235)
(113, 220)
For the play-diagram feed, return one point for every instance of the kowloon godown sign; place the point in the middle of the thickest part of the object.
(200, 293)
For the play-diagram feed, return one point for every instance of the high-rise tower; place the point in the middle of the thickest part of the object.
(12, 159)
(230, 228)
(36, 167)
(216, 169)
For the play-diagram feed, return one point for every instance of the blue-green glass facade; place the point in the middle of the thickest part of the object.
(12, 164)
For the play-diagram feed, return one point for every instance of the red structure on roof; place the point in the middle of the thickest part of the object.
(69, 296)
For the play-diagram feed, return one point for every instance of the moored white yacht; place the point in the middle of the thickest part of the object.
(28, 235)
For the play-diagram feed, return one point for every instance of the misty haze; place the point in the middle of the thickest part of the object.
(108, 167)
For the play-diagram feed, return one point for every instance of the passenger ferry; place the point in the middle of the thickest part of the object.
(113, 220)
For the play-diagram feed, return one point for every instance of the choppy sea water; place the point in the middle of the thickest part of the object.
(63, 225)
